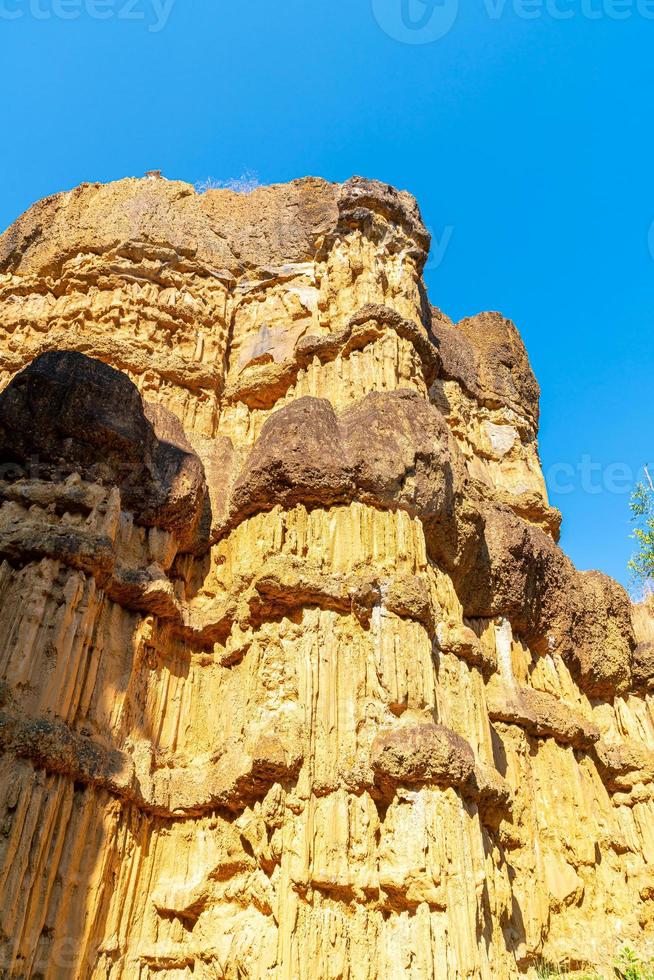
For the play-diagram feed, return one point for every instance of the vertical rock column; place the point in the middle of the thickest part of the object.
(350, 839)
(294, 679)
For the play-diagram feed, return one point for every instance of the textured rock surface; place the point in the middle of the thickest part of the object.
(296, 682)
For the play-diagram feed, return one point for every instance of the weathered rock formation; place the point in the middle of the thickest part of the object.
(296, 681)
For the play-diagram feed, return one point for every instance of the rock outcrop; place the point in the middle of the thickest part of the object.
(295, 679)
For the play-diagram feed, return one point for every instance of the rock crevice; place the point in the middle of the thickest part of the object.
(295, 679)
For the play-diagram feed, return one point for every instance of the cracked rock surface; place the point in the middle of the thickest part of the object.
(295, 680)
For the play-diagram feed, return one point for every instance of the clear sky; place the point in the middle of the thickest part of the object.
(524, 127)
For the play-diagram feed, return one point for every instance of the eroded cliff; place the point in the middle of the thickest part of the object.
(296, 681)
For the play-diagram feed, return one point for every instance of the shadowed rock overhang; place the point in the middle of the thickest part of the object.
(295, 678)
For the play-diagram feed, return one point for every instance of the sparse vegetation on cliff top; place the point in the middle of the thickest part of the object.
(628, 965)
(642, 509)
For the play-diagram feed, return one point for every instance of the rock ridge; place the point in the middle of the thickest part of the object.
(295, 680)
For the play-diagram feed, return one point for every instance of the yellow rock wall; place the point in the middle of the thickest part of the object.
(194, 779)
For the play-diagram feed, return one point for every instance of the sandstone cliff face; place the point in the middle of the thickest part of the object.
(296, 681)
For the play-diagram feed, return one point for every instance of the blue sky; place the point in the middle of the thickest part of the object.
(525, 131)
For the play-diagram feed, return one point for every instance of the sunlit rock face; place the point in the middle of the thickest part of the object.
(296, 681)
